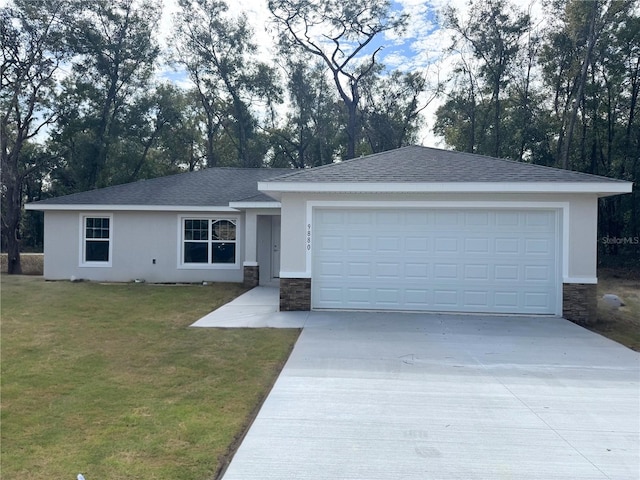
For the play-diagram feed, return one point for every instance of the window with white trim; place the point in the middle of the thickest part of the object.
(209, 241)
(96, 240)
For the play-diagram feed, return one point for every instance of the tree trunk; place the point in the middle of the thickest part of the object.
(472, 115)
(11, 222)
(591, 41)
(628, 154)
(12, 184)
(351, 129)
(212, 129)
(496, 121)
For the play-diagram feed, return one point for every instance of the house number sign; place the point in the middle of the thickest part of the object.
(308, 237)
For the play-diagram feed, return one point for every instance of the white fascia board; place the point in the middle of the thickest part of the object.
(295, 274)
(588, 280)
(599, 188)
(245, 205)
(130, 208)
(266, 188)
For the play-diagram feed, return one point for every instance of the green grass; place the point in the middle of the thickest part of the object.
(108, 381)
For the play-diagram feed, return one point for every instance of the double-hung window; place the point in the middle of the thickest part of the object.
(209, 241)
(96, 240)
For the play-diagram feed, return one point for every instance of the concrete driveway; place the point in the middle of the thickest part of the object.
(415, 396)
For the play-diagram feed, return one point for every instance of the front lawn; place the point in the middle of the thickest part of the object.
(108, 381)
(619, 324)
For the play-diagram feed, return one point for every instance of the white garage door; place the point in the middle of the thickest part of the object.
(503, 261)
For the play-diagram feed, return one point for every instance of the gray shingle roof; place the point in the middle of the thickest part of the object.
(414, 164)
(208, 187)
(417, 164)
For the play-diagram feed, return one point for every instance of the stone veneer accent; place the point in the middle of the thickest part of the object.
(251, 276)
(295, 294)
(579, 303)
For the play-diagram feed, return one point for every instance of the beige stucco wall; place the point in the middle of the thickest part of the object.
(583, 238)
(579, 231)
(138, 239)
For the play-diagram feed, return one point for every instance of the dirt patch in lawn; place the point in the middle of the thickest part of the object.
(619, 324)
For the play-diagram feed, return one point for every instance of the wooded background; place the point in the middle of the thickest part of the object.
(82, 106)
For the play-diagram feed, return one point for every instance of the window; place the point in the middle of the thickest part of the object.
(210, 241)
(96, 240)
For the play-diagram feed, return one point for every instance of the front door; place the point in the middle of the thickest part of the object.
(275, 246)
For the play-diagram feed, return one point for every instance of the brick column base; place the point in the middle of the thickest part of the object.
(579, 303)
(251, 276)
(295, 294)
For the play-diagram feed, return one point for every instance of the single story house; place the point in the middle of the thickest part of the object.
(415, 229)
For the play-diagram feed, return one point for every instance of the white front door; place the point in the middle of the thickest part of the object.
(458, 260)
(275, 246)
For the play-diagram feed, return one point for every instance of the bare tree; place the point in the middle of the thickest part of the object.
(342, 34)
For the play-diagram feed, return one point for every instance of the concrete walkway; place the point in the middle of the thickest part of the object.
(414, 396)
(258, 308)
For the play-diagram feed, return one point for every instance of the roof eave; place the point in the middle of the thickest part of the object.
(597, 188)
(244, 205)
(124, 208)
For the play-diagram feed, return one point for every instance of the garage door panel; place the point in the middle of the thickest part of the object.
(330, 270)
(475, 246)
(417, 298)
(360, 244)
(388, 244)
(507, 219)
(388, 218)
(445, 271)
(390, 271)
(446, 245)
(537, 219)
(359, 295)
(537, 246)
(537, 300)
(418, 219)
(506, 273)
(476, 299)
(359, 269)
(388, 297)
(476, 272)
(537, 273)
(507, 246)
(446, 218)
(332, 243)
(447, 260)
(359, 217)
(445, 299)
(332, 217)
(507, 301)
(330, 296)
(416, 245)
(416, 272)
(476, 218)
